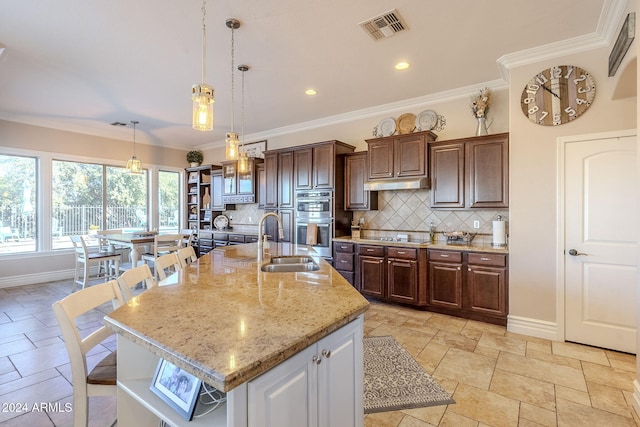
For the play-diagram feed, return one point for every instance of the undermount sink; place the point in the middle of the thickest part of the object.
(290, 264)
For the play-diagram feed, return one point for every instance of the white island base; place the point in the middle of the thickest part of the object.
(321, 385)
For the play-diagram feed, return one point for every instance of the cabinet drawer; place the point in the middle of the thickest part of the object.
(205, 242)
(343, 261)
(222, 237)
(445, 256)
(250, 238)
(238, 238)
(343, 247)
(371, 250)
(205, 235)
(402, 253)
(349, 275)
(494, 260)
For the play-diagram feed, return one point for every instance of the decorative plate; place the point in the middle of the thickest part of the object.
(387, 127)
(427, 120)
(406, 123)
(221, 222)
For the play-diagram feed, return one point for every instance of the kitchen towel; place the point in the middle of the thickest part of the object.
(499, 233)
(312, 234)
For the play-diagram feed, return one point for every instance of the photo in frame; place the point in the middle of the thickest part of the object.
(623, 42)
(178, 388)
(256, 149)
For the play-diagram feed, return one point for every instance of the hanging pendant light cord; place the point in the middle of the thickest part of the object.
(134, 122)
(204, 39)
(242, 107)
(232, 81)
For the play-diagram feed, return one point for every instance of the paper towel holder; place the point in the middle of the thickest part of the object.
(499, 233)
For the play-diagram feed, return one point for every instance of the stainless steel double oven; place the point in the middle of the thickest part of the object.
(315, 207)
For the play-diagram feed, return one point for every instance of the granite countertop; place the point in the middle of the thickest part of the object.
(473, 247)
(225, 321)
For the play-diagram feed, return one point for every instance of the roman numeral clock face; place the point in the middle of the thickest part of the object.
(558, 95)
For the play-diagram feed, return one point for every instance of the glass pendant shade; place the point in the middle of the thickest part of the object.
(243, 162)
(231, 152)
(134, 166)
(202, 95)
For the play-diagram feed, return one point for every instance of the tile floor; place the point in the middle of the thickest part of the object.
(497, 378)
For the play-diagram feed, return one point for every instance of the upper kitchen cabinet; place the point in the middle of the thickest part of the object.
(399, 156)
(470, 173)
(356, 198)
(315, 165)
(239, 186)
(278, 179)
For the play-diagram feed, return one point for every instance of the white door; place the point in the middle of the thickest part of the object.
(600, 242)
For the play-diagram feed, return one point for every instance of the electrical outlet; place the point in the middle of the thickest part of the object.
(476, 224)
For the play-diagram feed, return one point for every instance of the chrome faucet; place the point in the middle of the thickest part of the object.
(260, 229)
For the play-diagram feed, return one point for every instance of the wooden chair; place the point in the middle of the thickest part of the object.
(163, 244)
(187, 236)
(130, 279)
(186, 256)
(101, 380)
(111, 263)
(166, 262)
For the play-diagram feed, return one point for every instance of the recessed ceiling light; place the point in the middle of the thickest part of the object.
(402, 65)
(311, 91)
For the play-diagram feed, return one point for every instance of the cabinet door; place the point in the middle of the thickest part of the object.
(216, 191)
(229, 179)
(445, 285)
(303, 165)
(380, 159)
(488, 171)
(324, 159)
(371, 276)
(288, 224)
(340, 382)
(355, 197)
(261, 185)
(486, 290)
(286, 395)
(447, 176)
(285, 180)
(246, 180)
(402, 280)
(271, 180)
(410, 156)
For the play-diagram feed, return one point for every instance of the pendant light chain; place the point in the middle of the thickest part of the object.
(242, 118)
(204, 39)
(232, 80)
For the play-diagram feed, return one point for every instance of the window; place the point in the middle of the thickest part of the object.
(18, 231)
(169, 201)
(77, 194)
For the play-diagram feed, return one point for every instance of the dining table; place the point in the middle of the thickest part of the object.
(134, 241)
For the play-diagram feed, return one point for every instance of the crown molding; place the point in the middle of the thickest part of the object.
(610, 18)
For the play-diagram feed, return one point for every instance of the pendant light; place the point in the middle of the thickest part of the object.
(243, 159)
(202, 93)
(133, 164)
(231, 139)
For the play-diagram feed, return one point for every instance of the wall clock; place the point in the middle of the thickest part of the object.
(558, 95)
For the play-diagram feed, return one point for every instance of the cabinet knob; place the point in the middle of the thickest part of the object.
(459, 268)
(316, 359)
(381, 261)
(326, 353)
(469, 269)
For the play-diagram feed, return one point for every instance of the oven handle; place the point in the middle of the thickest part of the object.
(318, 223)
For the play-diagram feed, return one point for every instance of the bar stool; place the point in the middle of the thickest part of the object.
(111, 263)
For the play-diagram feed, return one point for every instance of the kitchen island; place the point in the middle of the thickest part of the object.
(285, 347)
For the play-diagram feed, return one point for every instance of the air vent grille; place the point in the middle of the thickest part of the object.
(385, 25)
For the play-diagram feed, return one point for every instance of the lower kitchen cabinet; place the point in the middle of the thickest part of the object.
(371, 280)
(320, 386)
(473, 285)
(343, 260)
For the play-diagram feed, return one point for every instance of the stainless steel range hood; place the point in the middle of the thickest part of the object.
(397, 184)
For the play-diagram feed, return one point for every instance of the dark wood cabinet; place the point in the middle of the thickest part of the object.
(356, 198)
(470, 173)
(287, 217)
(217, 202)
(261, 185)
(445, 279)
(400, 156)
(303, 167)
(285, 180)
(271, 180)
(239, 186)
(469, 284)
(344, 260)
(315, 167)
(371, 271)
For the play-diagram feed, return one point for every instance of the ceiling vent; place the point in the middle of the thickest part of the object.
(385, 25)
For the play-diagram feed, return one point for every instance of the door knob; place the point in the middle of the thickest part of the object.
(573, 252)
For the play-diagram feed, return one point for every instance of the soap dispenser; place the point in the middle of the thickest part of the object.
(265, 243)
(432, 232)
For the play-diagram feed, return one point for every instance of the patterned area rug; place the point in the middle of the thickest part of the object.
(393, 380)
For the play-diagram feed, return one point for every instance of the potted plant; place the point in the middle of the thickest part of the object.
(194, 157)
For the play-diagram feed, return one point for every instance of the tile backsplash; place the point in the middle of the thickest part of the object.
(405, 211)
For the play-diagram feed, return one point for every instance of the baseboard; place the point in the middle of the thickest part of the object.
(32, 279)
(533, 327)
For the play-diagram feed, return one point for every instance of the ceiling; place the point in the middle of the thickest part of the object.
(80, 65)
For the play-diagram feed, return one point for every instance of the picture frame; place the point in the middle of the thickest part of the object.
(256, 149)
(622, 44)
(176, 387)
